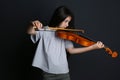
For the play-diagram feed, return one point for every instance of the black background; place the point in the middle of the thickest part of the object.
(99, 19)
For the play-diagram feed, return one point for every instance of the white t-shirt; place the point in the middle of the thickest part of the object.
(50, 55)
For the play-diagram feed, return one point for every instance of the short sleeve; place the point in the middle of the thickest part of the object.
(68, 44)
(35, 37)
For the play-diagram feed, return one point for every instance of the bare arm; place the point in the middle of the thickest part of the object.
(73, 50)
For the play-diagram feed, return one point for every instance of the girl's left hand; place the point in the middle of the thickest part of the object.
(98, 45)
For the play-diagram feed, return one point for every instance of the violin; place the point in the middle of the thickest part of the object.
(79, 39)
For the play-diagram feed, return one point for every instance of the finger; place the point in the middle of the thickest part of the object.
(101, 45)
(33, 23)
(41, 25)
(36, 23)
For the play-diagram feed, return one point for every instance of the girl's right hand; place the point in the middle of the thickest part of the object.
(37, 24)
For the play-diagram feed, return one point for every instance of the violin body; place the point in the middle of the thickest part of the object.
(75, 38)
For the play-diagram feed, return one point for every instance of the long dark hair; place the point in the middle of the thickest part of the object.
(59, 15)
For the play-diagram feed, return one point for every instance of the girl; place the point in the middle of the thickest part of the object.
(50, 55)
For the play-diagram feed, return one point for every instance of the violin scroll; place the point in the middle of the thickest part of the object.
(114, 54)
